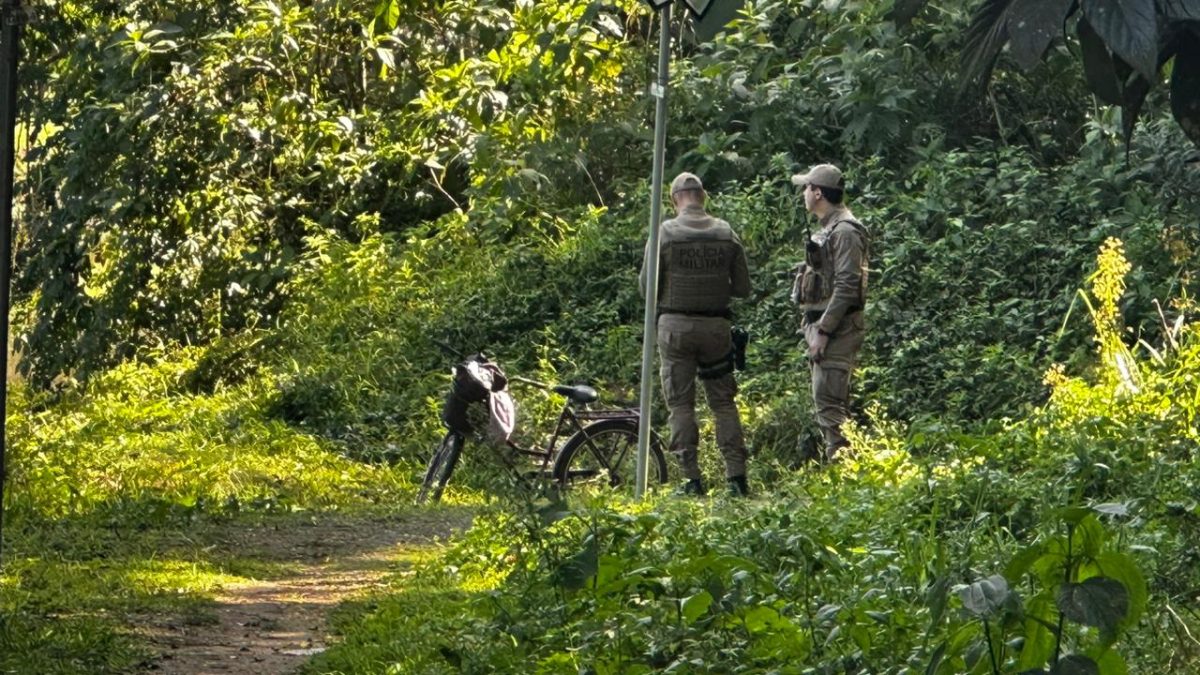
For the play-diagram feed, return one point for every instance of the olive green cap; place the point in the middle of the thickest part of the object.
(821, 175)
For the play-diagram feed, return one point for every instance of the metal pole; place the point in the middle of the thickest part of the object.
(10, 36)
(659, 90)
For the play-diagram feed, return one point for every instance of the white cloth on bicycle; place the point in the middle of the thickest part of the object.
(503, 416)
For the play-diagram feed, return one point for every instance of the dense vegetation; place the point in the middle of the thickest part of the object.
(243, 230)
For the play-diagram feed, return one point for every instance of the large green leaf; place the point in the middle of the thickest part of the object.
(1098, 67)
(1180, 10)
(1129, 28)
(1109, 662)
(1021, 563)
(1032, 24)
(1113, 81)
(1185, 86)
(1040, 617)
(1088, 537)
(1099, 602)
(575, 571)
(1133, 95)
(1027, 25)
(758, 618)
(935, 598)
(985, 38)
(1072, 515)
(1122, 568)
(387, 16)
(694, 606)
(985, 597)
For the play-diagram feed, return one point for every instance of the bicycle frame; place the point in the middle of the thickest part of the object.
(604, 432)
(570, 421)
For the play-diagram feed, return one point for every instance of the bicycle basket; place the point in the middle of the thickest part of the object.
(474, 381)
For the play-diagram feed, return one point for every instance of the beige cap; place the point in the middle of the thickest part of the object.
(686, 181)
(821, 175)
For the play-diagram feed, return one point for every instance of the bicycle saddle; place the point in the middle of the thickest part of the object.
(579, 393)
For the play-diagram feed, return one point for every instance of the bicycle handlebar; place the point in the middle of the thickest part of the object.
(526, 380)
(445, 347)
(511, 378)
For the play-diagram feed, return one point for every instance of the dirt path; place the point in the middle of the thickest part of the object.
(273, 626)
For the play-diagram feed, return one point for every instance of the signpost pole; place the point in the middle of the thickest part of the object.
(659, 90)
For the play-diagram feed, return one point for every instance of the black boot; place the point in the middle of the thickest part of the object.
(693, 488)
(738, 486)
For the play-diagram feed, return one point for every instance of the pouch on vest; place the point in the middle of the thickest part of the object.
(808, 287)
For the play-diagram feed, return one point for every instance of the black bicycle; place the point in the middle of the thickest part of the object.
(600, 446)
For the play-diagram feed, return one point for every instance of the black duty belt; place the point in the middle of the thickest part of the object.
(710, 313)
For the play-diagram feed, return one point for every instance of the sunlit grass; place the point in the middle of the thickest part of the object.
(207, 452)
(155, 576)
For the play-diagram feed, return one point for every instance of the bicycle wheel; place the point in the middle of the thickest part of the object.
(605, 454)
(441, 465)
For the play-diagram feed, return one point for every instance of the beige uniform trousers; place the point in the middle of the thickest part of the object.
(831, 378)
(684, 342)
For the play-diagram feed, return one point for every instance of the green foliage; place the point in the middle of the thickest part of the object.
(1076, 579)
(842, 82)
(494, 134)
(225, 139)
(308, 194)
(1124, 46)
(362, 362)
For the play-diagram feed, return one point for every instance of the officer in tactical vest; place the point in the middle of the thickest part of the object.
(831, 291)
(702, 266)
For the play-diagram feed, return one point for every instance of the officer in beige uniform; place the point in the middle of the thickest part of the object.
(831, 290)
(702, 266)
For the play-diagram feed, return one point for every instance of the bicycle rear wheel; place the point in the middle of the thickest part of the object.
(605, 454)
(441, 465)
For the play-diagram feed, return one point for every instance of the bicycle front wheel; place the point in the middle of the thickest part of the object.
(605, 454)
(441, 465)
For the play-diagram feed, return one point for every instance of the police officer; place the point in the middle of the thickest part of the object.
(702, 266)
(831, 290)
